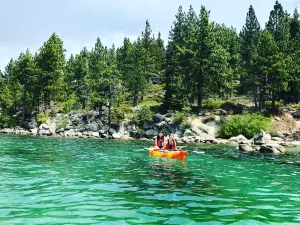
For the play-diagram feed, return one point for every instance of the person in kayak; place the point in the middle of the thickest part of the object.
(171, 144)
(160, 140)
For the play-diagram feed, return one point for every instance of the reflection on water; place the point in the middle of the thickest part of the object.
(72, 181)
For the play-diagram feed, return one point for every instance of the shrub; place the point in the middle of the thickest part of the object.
(7, 121)
(70, 104)
(278, 104)
(62, 122)
(117, 115)
(185, 125)
(247, 125)
(42, 118)
(145, 115)
(211, 104)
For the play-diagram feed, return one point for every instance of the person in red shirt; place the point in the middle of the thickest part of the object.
(171, 144)
(159, 140)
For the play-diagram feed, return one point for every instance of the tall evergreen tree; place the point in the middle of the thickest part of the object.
(295, 24)
(51, 65)
(173, 79)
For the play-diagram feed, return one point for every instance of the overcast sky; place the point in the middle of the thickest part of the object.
(29, 23)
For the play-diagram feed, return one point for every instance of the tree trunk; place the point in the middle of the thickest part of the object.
(261, 99)
(100, 110)
(273, 101)
(200, 97)
(135, 99)
(24, 103)
(255, 98)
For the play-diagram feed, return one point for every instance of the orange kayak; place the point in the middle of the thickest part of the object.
(168, 154)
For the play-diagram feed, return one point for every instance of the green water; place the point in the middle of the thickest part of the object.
(74, 181)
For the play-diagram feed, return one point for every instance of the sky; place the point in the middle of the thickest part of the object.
(28, 24)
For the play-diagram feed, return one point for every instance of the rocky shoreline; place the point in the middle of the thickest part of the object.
(200, 130)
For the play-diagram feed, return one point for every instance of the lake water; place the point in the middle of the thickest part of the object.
(76, 181)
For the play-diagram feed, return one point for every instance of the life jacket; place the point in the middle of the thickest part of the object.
(160, 143)
(171, 146)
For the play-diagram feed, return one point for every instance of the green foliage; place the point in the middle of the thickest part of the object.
(70, 104)
(7, 121)
(142, 116)
(42, 118)
(185, 125)
(117, 115)
(247, 125)
(278, 104)
(212, 104)
(62, 122)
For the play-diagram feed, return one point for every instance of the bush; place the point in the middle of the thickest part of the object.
(117, 115)
(142, 116)
(70, 104)
(278, 104)
(180, 117)
(42, 118)
(247, 125)
(7, 121)
(62, 122)
(185, 125)
(211, 104)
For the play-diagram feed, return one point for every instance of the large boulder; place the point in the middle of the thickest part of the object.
(111, 131)
(272, 148)
(157, 118)
(262, 138)
(188, 133)
(245, 148)
(240, 139)
(150, 133)
(116, 127)
(95, 134)
(52, 125)
(93, 127)
(117, 136)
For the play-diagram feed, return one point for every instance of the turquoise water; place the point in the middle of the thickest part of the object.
(75, 181)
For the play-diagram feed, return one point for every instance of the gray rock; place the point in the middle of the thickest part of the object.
(157, 118)
(188, 133)
(112, 131)
(277, 118)
(104, 136)
(150, 133)
(116, 127)
(168, 120)
(102, 131)
(272, 148)
(262, 138)
(44, 127)
(95, 134)
(222, 112)
(127, 138)
(207, 114)
(93, 127)
(116, 136)
(245, 148)
(78, 134)
(44, 132)
(34, 131)
(60, 130)
(239, 139)
(31, 124)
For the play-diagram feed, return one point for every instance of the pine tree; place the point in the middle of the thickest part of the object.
(272, 67)
(51, 65)
(249, 37)
(295, 24)
(173, 79)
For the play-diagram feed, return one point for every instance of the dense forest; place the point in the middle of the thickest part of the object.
(201, 59)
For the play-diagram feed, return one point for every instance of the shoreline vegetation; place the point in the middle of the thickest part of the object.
(207, 84)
